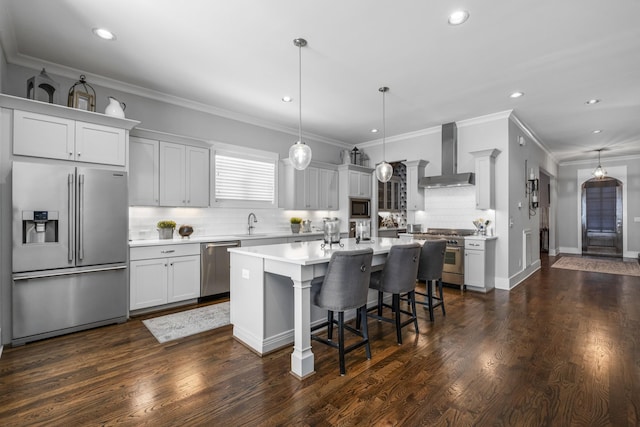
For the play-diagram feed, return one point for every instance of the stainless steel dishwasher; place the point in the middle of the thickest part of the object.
(214, 268)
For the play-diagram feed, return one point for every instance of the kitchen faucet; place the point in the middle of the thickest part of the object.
(250, 224)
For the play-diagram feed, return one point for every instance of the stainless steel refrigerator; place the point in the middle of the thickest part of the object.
(70, 234)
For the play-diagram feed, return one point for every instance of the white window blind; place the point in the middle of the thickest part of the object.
(242, 179)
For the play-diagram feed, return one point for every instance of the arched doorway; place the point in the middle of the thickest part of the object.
(602, 217)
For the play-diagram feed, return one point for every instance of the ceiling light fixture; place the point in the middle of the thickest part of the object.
(458, 17)
(374, 130)
(597, 131)
(383, 169)
(516, 94)
(592, 101)
(287, 99)
(104, 34)
(300, 153)
(599, 172)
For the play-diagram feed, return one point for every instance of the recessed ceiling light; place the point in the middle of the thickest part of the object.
(516, 94)
(287, 99)
(374, 130)
(104, 34)
(458, 17)
(597, 131)
(592, 101)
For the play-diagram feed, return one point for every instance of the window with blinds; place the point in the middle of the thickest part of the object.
(242, 179)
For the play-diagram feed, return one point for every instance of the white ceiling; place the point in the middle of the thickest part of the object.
(238, 57)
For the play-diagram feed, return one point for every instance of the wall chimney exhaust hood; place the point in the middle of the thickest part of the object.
(450, 176)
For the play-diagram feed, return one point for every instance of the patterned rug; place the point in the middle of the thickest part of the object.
(599, 266)
(190, 322)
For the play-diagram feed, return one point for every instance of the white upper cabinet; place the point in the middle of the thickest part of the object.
(172, 174)
(485, 177)
(41, 135)
(359, 184)
(315, 187)
(184, 175)
(168, 174)
(415, 194)
(100, 144)
(144, 172)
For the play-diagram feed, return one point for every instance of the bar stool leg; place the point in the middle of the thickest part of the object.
(441, 296)
(362, 313)
(412, 296)
(341, 341)
(329, 325)
(396, 309)
(429, 285)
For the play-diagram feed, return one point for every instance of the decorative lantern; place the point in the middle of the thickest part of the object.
(44, 82)
(355, 156)
(82, 95)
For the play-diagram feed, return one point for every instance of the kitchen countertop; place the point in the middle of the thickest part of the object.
(218, 238)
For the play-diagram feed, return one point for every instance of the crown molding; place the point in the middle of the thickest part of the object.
(531, 135)
(591, 162)
(106, 82)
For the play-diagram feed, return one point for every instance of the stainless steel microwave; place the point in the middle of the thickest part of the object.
(359, 208)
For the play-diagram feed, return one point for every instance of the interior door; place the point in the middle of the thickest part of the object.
(602, 232)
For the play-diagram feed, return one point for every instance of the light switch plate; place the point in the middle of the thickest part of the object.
(245, 273)
(636, 219)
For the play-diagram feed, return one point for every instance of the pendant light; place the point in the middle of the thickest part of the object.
(384, 170)
(599, 172)
(300, 153)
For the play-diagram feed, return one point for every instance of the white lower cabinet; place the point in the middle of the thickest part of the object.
(479, 264)
(164, 274)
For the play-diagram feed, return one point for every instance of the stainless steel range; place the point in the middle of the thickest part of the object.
(453, 271)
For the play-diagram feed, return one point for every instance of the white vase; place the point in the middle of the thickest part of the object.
(115, 108)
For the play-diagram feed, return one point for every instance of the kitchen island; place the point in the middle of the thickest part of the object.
(271, 294)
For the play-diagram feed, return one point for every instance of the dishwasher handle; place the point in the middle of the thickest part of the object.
(221, 245)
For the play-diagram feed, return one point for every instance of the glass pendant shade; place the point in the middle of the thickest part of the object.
(599, 172)
(300, 155)
(384, 171)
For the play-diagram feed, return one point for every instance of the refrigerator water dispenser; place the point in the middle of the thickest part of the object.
(39, 227)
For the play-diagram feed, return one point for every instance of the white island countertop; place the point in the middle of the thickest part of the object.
(309, 253)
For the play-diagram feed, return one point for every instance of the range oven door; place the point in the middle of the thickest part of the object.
(453, 271)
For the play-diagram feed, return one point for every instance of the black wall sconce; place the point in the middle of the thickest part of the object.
(532, 188)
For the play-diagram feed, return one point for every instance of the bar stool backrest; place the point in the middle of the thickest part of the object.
(432, 260)
(401, 269)
(346, 283)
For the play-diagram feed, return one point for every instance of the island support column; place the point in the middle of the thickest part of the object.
(302, 359)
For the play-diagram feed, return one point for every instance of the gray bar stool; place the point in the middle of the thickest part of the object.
(345, 286)
(430, 269)
(397, 277)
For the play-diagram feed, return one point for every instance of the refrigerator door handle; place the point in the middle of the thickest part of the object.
(80, 217)
(66, 272)
(70, 216)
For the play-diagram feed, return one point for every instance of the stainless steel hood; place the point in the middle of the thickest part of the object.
(450, 176)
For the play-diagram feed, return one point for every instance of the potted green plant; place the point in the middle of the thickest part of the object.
(295, 224)
(165, 229)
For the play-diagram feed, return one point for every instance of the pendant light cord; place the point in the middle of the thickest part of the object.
(384, 126)
(300, 93)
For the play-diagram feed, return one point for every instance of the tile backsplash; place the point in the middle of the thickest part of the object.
(218, 221)
(452, 207)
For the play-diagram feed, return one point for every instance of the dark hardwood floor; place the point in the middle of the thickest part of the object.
(562, 349)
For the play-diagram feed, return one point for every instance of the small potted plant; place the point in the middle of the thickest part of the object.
(165, 229)
(295, 224)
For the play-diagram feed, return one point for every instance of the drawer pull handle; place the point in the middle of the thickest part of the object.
(168, 252)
